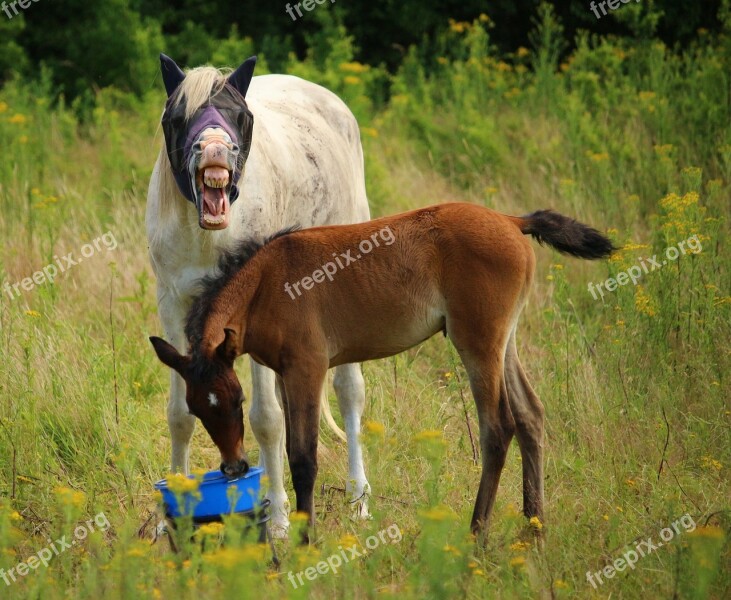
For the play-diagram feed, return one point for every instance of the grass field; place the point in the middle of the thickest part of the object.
(630, 137)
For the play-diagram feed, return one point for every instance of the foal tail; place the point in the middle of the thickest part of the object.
(566, 234)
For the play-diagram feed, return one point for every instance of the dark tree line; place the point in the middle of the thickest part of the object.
(88, 45)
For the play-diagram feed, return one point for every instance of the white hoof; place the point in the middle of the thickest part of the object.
(360, 509)
(279, 531)
(160, 530)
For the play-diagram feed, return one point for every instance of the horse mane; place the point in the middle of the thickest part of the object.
(229, 264)
(198, 87)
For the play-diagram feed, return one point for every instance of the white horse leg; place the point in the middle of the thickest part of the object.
(350, 390)
(267, 423)
(180, 421)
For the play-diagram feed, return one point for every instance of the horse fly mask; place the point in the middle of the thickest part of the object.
(208, 177)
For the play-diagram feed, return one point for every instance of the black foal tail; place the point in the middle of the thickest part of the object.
(566, 235)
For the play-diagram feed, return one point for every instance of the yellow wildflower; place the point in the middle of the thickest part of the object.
(210, 529)
(644, 303)
(664, 150)
(709, 531)
(458, 27)
(352, 80)
(451, 550)
(438, 513)
(299, 517)
(353, 67)
(710, 463)
(348, 541)
(429, 435)
(523, 52)
(535, 522)
(597, 156)
(18, 119)
(3, 107)
(519, 546)
(517, 561)
(232, 557)
(373, 428)
(560, 584)
(70, 497)
(180, 484)
(33, 313)
(138, 550)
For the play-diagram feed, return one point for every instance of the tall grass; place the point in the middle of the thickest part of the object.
(630, 136)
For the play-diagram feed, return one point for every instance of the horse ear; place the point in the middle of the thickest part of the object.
(241, 77)
(172, 75)
(229, 348)
(169, 355)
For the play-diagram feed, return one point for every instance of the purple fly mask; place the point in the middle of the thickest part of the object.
(208, 150)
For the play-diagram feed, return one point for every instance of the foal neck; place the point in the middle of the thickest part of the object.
(229, 310)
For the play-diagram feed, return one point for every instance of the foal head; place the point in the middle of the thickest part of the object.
(214, 396)
(208, 129)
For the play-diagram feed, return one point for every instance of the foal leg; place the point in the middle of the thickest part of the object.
(483, 353)
(528, 413)
(496, 432)
(350, 390)
(301, 399)
(267, 423)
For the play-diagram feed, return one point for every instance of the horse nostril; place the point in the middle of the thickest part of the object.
(245, 466)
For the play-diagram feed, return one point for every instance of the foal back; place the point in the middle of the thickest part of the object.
(452, 268)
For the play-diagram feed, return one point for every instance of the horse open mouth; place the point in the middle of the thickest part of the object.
(213, 185)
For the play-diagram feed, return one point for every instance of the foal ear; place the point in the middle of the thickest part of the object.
(169, 355)
(241, 77)
(172, 75)
(229, 348)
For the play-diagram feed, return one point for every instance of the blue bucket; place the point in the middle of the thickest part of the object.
(217, 495)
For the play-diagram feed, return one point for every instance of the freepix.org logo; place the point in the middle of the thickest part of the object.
(56, 547)
(7, 7)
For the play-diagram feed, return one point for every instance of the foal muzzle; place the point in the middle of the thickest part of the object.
(235, 469)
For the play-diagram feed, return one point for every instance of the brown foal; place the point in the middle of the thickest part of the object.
(457, 268)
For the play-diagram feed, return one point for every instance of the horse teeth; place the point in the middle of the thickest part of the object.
(214, 183)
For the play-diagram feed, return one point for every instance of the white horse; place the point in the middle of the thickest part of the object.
(305, 168)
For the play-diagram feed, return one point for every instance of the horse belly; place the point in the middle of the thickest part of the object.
(381, 333)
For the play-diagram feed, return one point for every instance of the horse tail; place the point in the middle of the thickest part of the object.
(328, 416)
(565, 234)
